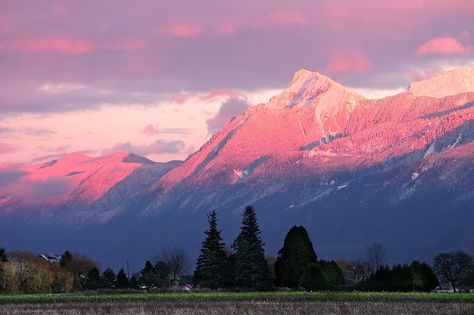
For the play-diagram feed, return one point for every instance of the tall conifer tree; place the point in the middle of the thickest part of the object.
(250, 266)
(212, 267)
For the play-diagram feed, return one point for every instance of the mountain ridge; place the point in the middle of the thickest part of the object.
(353, 170)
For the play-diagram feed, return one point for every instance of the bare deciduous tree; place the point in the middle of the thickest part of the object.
(454, 268)
(376, 256)
(177, 261)
(354, 271)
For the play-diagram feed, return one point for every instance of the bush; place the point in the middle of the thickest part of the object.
(314, 278)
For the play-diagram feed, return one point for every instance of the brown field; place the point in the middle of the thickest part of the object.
(240, 307)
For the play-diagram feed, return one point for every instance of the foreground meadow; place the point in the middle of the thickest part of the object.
(240, 303)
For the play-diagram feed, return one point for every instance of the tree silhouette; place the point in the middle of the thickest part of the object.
(250, 266)
(453, 267)
(212, 267)
(122, 280)
(294, 257)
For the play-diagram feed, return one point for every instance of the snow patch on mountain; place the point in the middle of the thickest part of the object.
(452, 82)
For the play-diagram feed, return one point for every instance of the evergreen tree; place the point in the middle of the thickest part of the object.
(109, 279)
(211, 267)
(250, 266)
(147, 275)
(122, 280)
(93, 279)
(294, 257)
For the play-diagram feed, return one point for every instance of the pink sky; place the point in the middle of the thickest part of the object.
(158, 77)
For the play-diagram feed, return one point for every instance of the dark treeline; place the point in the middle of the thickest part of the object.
(243, 266)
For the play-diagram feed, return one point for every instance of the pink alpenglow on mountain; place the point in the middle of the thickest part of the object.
(317, 125)
(448, 83)
(353, 170)
(71, 177)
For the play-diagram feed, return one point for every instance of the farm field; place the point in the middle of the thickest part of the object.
(240, 303)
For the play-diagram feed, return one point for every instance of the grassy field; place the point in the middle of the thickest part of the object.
(240, 303)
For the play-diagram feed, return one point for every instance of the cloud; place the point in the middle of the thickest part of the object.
(39, 132)
(58, 10)
(153, 130)
(289, 18)
(182, 30)
(150, 130)
(6, 148)
(349, 62)
(229, 109)
(125, 45)
(443, 46)
(6, 130)
(61, 45)
(60, 88)
(157, 147)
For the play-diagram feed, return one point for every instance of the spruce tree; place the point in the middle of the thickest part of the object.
(122, 280)
(250, 266)
(147, 275)
(109, 279)
(294, 257)
(211, 267)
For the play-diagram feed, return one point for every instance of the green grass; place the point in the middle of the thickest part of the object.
(242, 296)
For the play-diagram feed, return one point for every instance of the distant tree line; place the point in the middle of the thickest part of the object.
(242, 267)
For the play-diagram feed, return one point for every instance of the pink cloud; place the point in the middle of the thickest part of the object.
(180, 98)
(50, 44)
(157, 147)
(150, 130)
(182, 30)
(125, 45)
(349, 62)
(194, 30)
(153, 130)
(288, 18)
(221, 92)
(6, 148)
(58, 10)
(442, 46)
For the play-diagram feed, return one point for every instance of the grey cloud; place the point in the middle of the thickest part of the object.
(157, 147)
(229, 109)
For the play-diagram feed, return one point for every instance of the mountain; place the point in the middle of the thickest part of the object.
(397, 170)
(452, 82)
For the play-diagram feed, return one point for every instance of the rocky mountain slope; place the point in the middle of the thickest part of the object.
(399, 170)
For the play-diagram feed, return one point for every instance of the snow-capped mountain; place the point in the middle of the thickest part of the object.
(399, 170)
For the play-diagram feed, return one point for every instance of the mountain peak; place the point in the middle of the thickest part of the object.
(303, 74)
(309, 88)
(447, 83)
